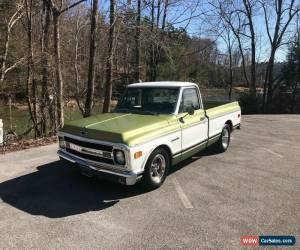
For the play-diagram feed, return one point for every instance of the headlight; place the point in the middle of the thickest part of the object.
(119, 157)
(62, 142)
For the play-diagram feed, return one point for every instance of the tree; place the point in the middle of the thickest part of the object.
(15, 17)
(219, 27)
(229, 41)
(31, 86)
(284, 14)
(138, 42)
(56, 13)
(91, 71)
(45, 28)
(249, 6)
(78, 32)
(291, 73)
(157, 29)
(235, 19)
(109, 60)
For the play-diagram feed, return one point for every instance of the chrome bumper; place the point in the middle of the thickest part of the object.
(124, 177)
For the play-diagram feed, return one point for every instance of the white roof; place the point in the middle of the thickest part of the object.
(162, 84)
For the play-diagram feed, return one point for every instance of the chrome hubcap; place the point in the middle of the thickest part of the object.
(158, 168)
(225, 138)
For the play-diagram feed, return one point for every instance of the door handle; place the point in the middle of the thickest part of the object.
(202, 118)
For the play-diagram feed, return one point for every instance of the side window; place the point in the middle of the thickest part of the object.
(189, 99)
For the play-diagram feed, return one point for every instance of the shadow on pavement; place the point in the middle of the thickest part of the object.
(56, 190)
(208, 151)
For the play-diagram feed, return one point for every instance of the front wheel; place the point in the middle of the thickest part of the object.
(156, 169)
(224, 140)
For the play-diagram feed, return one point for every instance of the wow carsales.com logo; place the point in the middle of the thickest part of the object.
(268, 240)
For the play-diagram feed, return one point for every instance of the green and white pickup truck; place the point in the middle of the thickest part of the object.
(154, 126)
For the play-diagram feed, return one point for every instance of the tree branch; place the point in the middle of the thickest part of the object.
(14, 65)
(266, 22)
(72, 6)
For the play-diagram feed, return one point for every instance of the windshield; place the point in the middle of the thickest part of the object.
(149, 100)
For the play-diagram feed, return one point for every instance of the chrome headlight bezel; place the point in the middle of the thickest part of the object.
(61, 142)
(119, 157)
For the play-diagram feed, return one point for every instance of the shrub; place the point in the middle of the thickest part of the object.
(250, 104)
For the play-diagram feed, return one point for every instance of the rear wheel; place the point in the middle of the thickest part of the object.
(223, 143)
(156, 169)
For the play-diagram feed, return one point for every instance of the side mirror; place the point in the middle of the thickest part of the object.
(191, 110)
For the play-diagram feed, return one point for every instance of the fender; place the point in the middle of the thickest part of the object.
(149, 147)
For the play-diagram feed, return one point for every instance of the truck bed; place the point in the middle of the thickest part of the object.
(219, 115)
(216, 109)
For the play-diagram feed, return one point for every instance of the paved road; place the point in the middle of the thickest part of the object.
(206, 203)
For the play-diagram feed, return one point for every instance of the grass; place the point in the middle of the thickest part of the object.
(21, 119)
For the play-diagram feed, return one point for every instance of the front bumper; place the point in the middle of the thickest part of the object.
(106, 172)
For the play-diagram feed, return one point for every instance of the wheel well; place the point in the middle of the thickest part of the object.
(165, 147)
(168, 150)
(229, 123)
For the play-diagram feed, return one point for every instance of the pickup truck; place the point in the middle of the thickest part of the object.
(155, 125)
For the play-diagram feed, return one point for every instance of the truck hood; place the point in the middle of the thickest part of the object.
(129, 129)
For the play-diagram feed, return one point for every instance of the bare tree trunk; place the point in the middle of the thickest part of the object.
(91, 72)
(45, 72)
(230, 69)
(157, 45)
(161, 34)
(165, 15)
(243, 60)
(77, 79)
(109, 62)
(269, 82)
(59, 80)
(32, 104)
(138, 42)
(152, 74)
(158, 13)
(253, 69)
(4, 57)
(56, 12)
(249, 15)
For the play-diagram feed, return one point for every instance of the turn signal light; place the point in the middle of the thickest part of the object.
(138, 154)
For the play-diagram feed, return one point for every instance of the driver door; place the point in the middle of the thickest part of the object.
(193, 127)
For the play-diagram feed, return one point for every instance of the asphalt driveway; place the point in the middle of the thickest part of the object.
(207, 202)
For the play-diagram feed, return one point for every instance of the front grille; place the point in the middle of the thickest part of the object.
(90, 157)
(89, 144)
